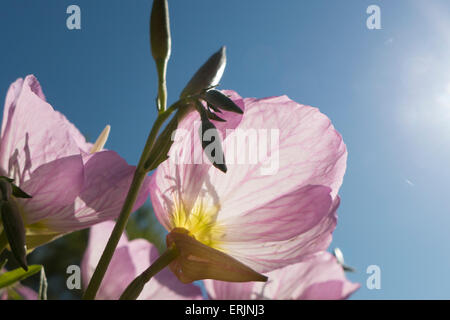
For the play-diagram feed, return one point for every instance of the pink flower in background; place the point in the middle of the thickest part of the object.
(73, 184)
(265, 221)
(18, 291)
(130, 259)
(320, 277)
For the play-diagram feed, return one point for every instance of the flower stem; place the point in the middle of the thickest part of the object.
(162, 87)
(138, 179)
(134, 289)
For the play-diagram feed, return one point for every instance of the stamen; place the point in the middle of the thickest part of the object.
(101, 140)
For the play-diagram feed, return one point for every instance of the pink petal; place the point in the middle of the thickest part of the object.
(33, 133)
(270, 255)
(319, 277)
(310, 152)
(221, 290)
(53, 187)
(107, 180)
(281, 219)
(130, 259)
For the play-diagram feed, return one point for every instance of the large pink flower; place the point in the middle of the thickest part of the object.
(130, 259)
(73, 184)
(320, 277)
(266, 213)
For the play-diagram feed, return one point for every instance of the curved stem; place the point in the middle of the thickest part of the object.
(134, 289)
(138, 179)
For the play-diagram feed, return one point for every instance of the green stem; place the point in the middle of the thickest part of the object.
(138, 179)
(134, 289)
(161, 66)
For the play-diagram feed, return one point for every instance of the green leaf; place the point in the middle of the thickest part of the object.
(16, 275)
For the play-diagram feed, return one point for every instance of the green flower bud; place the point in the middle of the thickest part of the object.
(160, 40)
(208, 75)
(160, 43)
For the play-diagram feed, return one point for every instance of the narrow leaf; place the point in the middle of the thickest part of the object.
(11, 277)
(221, 101)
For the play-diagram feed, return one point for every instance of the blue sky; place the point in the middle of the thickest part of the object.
(387, 91)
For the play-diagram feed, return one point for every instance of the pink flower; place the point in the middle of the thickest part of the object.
(130, 259)
(320, 277)
(18, 291)
(266, 213)
(73, 184)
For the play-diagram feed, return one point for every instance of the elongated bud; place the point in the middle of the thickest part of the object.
(210, 139)
(221, 101)
(160, 39)
(160, 42)
(5, 190)
(15, 231)
(208, 75)
(197, 261)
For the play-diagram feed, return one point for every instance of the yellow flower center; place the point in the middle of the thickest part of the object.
(200, 222)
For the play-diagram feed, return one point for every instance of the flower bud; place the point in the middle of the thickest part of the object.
(160, 40)
(208, 75)
(160, 43)
(15, 231)
(197, 261)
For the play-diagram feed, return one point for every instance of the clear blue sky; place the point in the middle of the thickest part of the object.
(387, 91)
